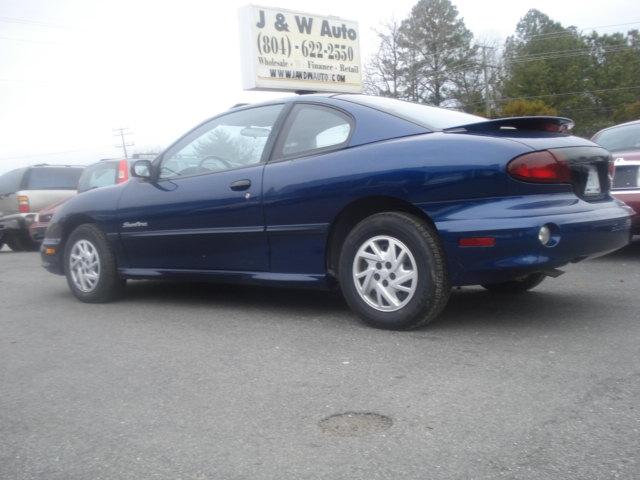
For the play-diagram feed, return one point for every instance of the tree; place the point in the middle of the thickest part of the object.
(585, 77)
(384, 72)
(614, 73)
(627, 112)
(520, 108)
(439, 45)
(546, 60)
(429, 57)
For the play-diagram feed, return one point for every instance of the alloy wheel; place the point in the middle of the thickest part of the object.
(84, 265)
(385, 273)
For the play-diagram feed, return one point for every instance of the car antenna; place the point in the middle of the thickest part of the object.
(305, 92)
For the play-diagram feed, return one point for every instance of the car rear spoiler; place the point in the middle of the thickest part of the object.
(540, 124)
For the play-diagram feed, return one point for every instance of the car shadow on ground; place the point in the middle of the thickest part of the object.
(230, 296)
(630, 252)
(468, 308)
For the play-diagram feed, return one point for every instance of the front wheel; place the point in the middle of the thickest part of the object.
(393, 273)
(517, 285)
(90, 266)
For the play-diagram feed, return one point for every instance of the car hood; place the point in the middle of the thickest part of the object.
(53, 207)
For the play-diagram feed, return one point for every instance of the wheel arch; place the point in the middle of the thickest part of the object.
(355, 212)
(71, 223)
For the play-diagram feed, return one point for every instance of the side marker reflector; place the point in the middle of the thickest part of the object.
(477, 242)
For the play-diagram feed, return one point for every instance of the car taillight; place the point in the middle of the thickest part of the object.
(539, 167)
(611, 168)
(123, 171)
(23, 204)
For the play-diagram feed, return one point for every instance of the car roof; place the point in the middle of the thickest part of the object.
(46, 165)
(288, 99)
(632, 122)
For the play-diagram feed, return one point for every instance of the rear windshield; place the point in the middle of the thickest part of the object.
(11, 181)
(433, 118)
(52, 178)
(624, 137)
(98, 175)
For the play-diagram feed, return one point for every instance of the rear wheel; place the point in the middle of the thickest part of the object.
(392, 271)
(90, 266)
(517, 285)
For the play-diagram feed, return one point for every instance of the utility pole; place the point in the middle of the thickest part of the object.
(122, 133)
(485, 70)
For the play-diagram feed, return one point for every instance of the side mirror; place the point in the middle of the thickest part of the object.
(141, 169)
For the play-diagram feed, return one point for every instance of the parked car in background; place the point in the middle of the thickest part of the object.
(623, 141)
(100, 174)
(25, 191)
(393, 201)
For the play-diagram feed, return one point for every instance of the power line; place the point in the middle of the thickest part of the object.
(584, 92)
(566, 53)
(574, 50)
(573, 34)
(122, 133)
(35, 23)
(53, 153)
(28, 40)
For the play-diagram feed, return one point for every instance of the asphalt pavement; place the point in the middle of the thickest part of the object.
(201, 381)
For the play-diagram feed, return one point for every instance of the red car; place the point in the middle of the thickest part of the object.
(100, 174)
(623, 141)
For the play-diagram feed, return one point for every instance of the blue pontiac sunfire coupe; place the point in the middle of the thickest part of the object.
(394, 202)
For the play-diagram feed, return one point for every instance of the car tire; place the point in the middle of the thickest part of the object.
(517, 285)
(89, 281)
(20, 242)
(386, 301)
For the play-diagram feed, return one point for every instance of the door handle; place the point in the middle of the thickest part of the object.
(240, 185)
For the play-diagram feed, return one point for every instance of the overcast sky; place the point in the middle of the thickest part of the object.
(72, 70)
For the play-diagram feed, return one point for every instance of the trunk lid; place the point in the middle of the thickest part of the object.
(590, 165)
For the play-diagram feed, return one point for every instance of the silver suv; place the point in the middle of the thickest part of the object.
(25, 191)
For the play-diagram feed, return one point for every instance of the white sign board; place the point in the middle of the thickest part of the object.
(286, 50)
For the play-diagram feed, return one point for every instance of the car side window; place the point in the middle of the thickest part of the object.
(312, 128)
(227, 142)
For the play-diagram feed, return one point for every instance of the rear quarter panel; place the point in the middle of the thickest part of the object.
(303, 196)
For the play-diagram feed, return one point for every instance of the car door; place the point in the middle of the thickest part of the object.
(203, 209)
(300, 193)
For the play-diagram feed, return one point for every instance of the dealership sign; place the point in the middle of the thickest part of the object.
(286, 50)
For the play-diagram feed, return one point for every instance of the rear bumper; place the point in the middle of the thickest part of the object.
(37, 230)
(581, 230)
(632, 199)
(16, 223)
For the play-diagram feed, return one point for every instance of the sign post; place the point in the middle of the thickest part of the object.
(295, 51)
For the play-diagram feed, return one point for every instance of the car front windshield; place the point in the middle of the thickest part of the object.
(624, 137)
(433, 118)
